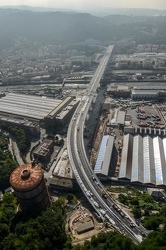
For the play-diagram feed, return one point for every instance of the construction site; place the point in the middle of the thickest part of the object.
(82, 224)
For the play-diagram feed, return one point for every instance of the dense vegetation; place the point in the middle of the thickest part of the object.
(45, 230)
(114, 241)
(22, 137)
(107, 241)
(37, 231)
(144, 207)
(7, 164)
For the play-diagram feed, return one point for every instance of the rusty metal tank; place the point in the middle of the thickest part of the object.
(29, 187)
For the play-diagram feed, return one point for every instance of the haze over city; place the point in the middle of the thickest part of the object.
(88, 5)
(82, 124)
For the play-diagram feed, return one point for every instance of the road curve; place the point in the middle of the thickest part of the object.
(105, 206)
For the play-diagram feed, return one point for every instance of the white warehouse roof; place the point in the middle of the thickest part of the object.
(27, 105)
(104, 156)
(126, 160)
(121, 118)
(148, 160)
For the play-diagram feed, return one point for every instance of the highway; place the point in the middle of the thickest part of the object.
(104, 205)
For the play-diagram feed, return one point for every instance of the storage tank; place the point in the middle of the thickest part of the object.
(29, 187)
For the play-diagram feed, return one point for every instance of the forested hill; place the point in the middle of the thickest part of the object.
(61, 27)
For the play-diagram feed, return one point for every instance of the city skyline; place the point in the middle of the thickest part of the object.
(87, 5)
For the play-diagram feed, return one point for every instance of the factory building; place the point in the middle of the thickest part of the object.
(29, 187)
(31, 107)
(148, 92)
(150, 88)
(121, 76)
(44, 150)
(143, 160)
(46, 112)
(32, 127)
(118, 119)
(64, 116)
(62, 174)
(125, 167)
(61, 114)
(102, 165)
(119, 91)
(121, 119)
(137, 93)
(144, 94)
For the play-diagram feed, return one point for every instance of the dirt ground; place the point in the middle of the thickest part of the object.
(74, 217)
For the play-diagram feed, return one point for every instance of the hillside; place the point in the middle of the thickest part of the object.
(61, 27)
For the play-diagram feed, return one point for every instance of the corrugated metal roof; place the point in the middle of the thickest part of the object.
(104, 155)
(124, 159)
(27, 105)
(137, 160)
(148, 160)
(158, 160)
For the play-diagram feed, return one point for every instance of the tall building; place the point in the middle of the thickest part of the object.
(29, 187)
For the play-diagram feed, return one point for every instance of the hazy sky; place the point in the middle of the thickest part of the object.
(89, 4)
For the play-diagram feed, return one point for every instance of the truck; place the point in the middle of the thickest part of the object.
(96, 204)
(109, 219)
(122, 214)
(102, 212)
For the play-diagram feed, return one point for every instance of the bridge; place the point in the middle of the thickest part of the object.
(104, 205)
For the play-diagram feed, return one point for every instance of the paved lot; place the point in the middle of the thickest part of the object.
(133, 114)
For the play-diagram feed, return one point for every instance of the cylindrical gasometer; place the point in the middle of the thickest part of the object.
(29, 187)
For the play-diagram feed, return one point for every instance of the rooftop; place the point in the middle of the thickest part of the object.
(27, 105)
(26, 176)
(104, 155)
(143, 159)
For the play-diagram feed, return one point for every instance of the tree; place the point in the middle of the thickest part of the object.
(21, 136)
(135, 201)
(148, 198)
(137, 213)
(152, 222)
(146, 212)
(154, 241)
(4, 231)
(9, 199)
(107, 241)
(70, 197)
(7, 165)
(43, 230)
(123, 199)
(163, 210)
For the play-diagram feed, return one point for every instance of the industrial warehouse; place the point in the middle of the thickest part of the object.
(137, 92)
(46, 112)
(104, 157)
(137, 154)
(143, 160)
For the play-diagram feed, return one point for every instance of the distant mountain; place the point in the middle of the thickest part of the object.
(101, 12)
(62, 28)
(53, 27)
(129, 12)
(37, 9)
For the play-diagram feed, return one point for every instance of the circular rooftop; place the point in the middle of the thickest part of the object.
(26, 176)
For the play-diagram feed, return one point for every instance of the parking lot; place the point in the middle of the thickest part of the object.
(146, 116)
